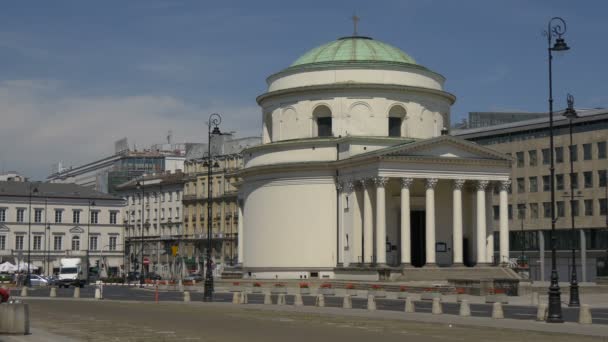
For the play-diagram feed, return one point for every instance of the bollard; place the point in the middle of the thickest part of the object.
(244, 299)
(371, 303)
(584, 314)
(347, 303)
(320, 301)
(281, 299)
(497, 311)
(409, 305)
(77, 292)
(541, 313)
(236, 298)
(267, 298)
(297, 301)
(180, 286)
(53, 292)
(534, 298)
(14, 319)
(465, 308)
(24, 291)
(437, 309)
(98, 293)
(186, 296)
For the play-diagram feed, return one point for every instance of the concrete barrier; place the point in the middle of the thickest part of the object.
(244, 299)
(409, 305)
(98, 294)
(236, 298)
(347, 302)
(371, 303)
(320, 301)
(77, 292)
(584, 314)
(497, 298)
(465, 308)
(541, 312)
(180, 286)
(24, 291)
(297, 301)
(497, 312)
(281, 299)
(53, 292)
(267, 298)
(14, 319)
(186, 296)
(437, 309)
(430, 295)
(534, 298)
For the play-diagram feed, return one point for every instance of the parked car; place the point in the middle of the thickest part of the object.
(52, 280)
(36, 280)
(153, 276)
(133, 276)
(194, 277)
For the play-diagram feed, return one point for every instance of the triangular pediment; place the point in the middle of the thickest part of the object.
(444, 147)
(4, 228)
(76, 230)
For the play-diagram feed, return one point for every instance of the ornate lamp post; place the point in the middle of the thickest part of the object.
(140, 186)
(571, 114)
(31, 191)
(214, 120)
(555, 28)
(88, 264)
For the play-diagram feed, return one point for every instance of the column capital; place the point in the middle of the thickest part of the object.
(406, 183)
(380, 181)
(459, 184)
(431, 183)
(482, 185)
(348, 185)
(362, 182)
(505, 185)
(339, 186)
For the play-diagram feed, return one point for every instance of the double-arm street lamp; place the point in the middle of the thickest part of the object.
(556, 28)
(31, 192)
(88, 264)
(140, 186)
(214, 121)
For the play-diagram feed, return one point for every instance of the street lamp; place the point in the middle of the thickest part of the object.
(140, 186)
(214, 120)
(557, 28)
(31, 192)
(571, 114)
(91, 204)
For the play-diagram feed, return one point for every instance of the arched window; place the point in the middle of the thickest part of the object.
(323, 121)
(75, 243)
(396, 117)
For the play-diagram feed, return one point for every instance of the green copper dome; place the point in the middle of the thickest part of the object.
(354, 49)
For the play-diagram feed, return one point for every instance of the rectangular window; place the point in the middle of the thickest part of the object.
(521, 211)
(75, 243)
(324, 127)
(519, 156)
(177, 195)
(176, 212)
(162, 213)
(93, 243)
(533, 184)
(496, 211)
(94, 217)
(559, 154)
(112, 243)
(559, 182)
(57, 243)
(574, 180)
(573, 153)
(532, 157)
(58, 214)
(38, 215)
(394, 127)
(113, 215)
(521, 186)
(20, 214)
(37, 242)
(534, 210)
(510, 212)
(169, 196)
(601, 175)
(588, 178)
(2, 215)
(574, 207)
(561, 209)
(588, 207)
(546, 156)
(19, 242)
(2, 242)
(76, 216)
(547, 209)
(601, 150)
(546, 183)
(587, 152)
(602, 206)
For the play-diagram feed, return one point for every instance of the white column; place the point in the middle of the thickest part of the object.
(481, 221)
(504, 222)
(430, 221)
(406, 248)
(457, 221)
(240, 232)
(380, 220)
(368, 234)
(348, 223)
(340, 222)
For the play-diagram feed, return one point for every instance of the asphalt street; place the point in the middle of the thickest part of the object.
(600, 315)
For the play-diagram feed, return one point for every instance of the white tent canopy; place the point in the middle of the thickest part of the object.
(7, 267)
(22, 266)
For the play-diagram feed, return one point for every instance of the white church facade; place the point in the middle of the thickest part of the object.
(356, 172)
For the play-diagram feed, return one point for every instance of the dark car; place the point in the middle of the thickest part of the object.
(194, 277)
(132, 276)
(153, 276)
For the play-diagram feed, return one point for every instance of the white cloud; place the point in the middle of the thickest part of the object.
(41, 124)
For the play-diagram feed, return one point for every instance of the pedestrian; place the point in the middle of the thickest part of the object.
(4, 295)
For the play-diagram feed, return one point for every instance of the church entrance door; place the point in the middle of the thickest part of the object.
(418, 233)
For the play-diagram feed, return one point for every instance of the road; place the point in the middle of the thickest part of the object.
(600, 316)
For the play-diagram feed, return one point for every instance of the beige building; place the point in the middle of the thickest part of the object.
(529, 201)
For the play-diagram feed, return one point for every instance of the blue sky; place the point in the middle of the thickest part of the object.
(77, 75)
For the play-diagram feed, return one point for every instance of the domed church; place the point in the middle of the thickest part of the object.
(357, 177)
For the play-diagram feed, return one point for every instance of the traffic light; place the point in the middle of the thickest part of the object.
(174, 250)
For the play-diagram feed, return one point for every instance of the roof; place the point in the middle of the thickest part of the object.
(354, 49)
(155, 179)
(52, 190)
